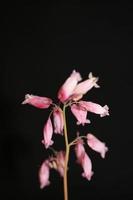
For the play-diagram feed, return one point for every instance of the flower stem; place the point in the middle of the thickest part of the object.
(66, 156)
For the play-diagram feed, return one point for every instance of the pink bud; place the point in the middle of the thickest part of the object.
(60, 158)
(47, 133)
(95, 108)
(44, 174)
(83, 87)
(87, 167)
(80, 113)
(95, 144)
(37, 101)
(58, 121)
(68, 87)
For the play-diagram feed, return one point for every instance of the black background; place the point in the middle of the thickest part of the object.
(41, 45)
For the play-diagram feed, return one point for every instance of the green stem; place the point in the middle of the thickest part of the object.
(65, 184)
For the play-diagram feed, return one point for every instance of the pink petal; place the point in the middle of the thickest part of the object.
(83, 87)
(87, 167)
(47, 133)
(95, 144)
(95, 108)
(58, 121)
(44, 174)
(79, 150)
(37, 101)
(80, 113)
(67, 88)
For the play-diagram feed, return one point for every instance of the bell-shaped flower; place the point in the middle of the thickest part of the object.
(83, 87)
(95, 108)
(44, 174)
(47, 133)
(83, 159)
(79, 150)
(58, 120)
(95, 144)
(87, 167)
(37, 101)
(68, 87)
(80, 113)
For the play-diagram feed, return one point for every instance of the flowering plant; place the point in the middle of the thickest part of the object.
(69, 95)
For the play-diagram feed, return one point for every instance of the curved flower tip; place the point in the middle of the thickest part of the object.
(83, 87)
(44, 174)
(37, 101)
(80, 113)
(69, 85)
(95, 108)
(58, 120)
(95, 144)
(47, 133)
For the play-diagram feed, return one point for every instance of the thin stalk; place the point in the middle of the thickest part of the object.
(65, 183)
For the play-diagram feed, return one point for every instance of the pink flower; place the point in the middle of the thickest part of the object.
(60, 158)
(87, 167)
(58, 121)
(37, 101)
(95, 108)
(44, 174)
(95, 144)
(80, 113)
(47, 133)
(68, 87)
(83, 87)
(83, 160)
(79, 150)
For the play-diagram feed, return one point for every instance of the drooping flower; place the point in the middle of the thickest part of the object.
(83, 159)
(87, 167)
(95, 144)
(44, 174)
(37, 101)
(68, 87)
(80, 113)
(95, 108)
(79, 150)
(83, 87)
(58, 120)
(47, 134)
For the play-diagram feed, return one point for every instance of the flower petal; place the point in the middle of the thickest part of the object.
(44, 174)
(37, 101)
(95, 144)
(47, 133)
(67, 88)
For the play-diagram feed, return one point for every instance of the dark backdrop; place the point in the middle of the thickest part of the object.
(41, 45)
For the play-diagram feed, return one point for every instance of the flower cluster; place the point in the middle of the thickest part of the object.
(70, 95)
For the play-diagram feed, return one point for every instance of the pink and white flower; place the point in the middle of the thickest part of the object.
(80, 113)
(95, 108)
(95, 144)
(37, 101)
(47, 133)
(68, 87)
(58, 120)
(83, 159)
(83, 87)
(44, 174)
(87, 167)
